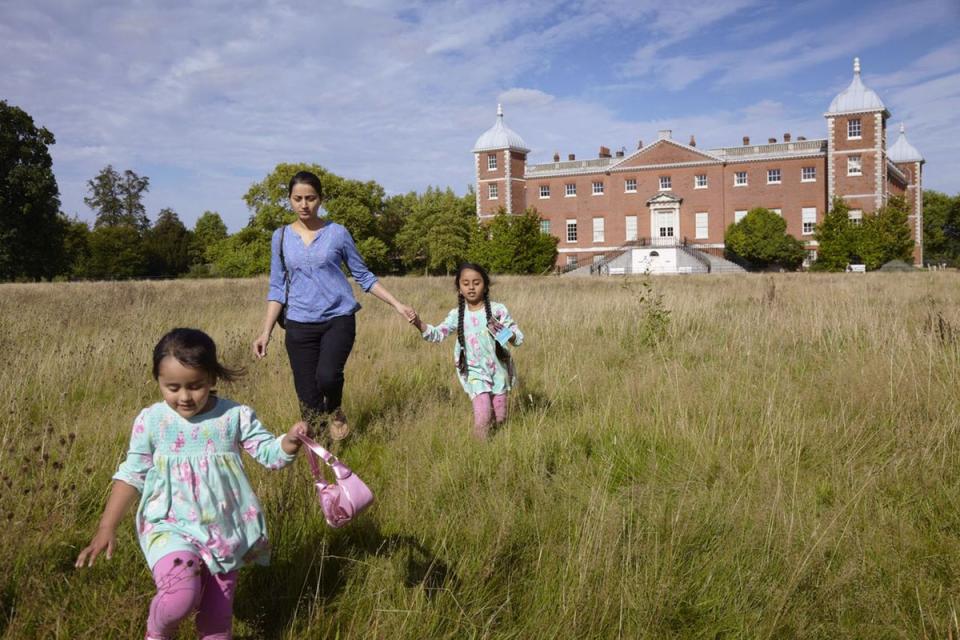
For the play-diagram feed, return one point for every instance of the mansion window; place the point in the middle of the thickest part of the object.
(571, 261)
(808, 174)
(598, 188)
(491, 161)
(809, 220)
(773, 176)
(740, 179)
(571, 230)
(856, 217)
(739, 215)
(665, 183)
(631, 228)
(630, 185)
(545, 227)
(492, 191)
(598, 229)
(854, 166)
(778, 212)
(700, 181)
(570, 189)
(544, 191)
(853, 128)
(702, 220)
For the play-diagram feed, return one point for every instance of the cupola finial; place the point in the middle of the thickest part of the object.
(903, 129)
(499, 110)
(856, 66)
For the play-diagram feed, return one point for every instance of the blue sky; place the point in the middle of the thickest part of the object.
(206, 98)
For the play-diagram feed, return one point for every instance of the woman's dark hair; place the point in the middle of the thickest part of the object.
(305, 177)
(195, 349)
(502, 354)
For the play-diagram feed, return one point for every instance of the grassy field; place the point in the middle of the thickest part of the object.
(696, 457)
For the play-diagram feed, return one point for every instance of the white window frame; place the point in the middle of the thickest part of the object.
(700, 184)
(740, 179)
(491, 162)
(544, 191)
(630, 185)
(804, 177)
(493, 191)
(702, 229)
(666, 184)
(774, 176)
(777, 211)
(598, 188)
(631, 228)
(572, 261)
(571, 226)
(855, 165)
(598, 226)
(855, 216)
(570, 190)
(545, 226)
(739, 215)
(854, 129)
(808, 220)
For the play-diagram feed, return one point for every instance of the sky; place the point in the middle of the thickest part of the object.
(206, 98)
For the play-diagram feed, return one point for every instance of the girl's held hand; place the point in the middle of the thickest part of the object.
(293, 437)
(103, 540)
(260, 345)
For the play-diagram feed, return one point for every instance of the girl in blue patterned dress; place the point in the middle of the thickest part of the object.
(483, 328)
(198, 519)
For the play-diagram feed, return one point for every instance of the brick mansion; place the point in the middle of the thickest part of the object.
(669, 195)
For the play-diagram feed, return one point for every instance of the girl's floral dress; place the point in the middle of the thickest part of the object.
(195, 496)
(485, 373)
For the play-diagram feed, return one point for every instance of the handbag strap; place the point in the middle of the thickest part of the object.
(283, 265)
(314, 451)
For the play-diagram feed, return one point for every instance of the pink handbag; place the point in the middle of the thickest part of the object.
(343, 500)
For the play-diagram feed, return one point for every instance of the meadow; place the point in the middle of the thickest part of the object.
(746, 456)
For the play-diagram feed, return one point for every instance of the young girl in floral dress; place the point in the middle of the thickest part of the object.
(198, 519)
(483, 329)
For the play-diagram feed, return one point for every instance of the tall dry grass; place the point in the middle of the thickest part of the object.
(702, 457)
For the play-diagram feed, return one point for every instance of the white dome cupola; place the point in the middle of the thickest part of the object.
(499, 136)
(857, 97)
(902, 150)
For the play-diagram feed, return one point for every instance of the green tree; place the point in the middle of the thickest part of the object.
(269, 199)
(76, 246)
(241, 255)
(886, 235)
(118, 199)
(437, 231)
(941, 228)
(838, 239)
(513, 244)
(208, 230)
(761, 238)
(167, 246)
(116, 252)
(32, 229)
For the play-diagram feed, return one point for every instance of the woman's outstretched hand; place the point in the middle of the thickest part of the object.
(407, 312)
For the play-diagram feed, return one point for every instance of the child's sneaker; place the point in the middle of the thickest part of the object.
(339, 429)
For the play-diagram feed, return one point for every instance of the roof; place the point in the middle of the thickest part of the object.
(902, 150)
(857, 97)
(499, 136)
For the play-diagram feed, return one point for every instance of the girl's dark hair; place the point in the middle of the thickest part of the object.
(502, 354)
(195, 349)
(306, 177)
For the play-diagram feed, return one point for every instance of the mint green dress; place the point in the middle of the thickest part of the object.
(195, 496)
(485, 372)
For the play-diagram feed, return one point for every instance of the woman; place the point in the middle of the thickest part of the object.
(320, 322)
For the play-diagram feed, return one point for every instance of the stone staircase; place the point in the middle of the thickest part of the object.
(722, 265)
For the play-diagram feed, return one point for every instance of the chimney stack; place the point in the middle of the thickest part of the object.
(693, 141)
(801, 138)
(571, 156)
(556, 156)
(620, 152)
(604, 152)
(746, 141)
(786, 137)
(639, 144)
(771, 140)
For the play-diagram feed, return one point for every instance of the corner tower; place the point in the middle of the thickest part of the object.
(500, 157)
(908, 160)
(856, 146)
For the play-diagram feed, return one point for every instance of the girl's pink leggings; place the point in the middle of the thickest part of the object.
(184, 584)
(481, 412)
